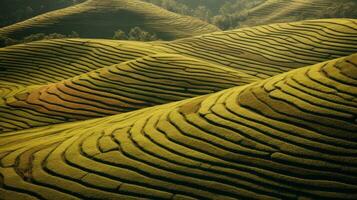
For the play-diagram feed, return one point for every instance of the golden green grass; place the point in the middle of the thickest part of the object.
(57, 81)
(276, 11)
(101, 18)
(268, 50)
(291, 136)
(267, 112)
(132, 85)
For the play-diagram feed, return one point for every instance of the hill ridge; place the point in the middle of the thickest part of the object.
(267, 140)
(37, 84)
(131, 85)
(275, 11)
(108, 16)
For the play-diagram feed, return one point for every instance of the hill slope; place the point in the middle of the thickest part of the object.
(261, 51)
(291, 136)
(15, 11)
(275, 11)
(140, 83)
(101, 18)
(268, 50)
(56, 81)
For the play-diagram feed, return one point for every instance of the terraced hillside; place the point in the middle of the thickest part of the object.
(101, 18)
(292, 136)
(261, 51)
(275, 11)
(265, 51)
(56, 81)
(144, 82)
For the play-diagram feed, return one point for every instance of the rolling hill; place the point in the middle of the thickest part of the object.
(140, 83)
(268, 50)
(101, 18)
(291, 136)
(14, 11)
(275, 11)
(57, 81)
(261, 51)
(262, 112)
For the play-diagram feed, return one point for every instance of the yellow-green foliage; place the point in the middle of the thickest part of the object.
(268, 50)
(101, 18)
(140, 83)
(292, 136)
(4, 41)
(56, 81)
(274, 11)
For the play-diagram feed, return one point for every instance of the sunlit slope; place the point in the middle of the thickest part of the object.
(268, 50)
(100, 18)
(292, 136)
(273, 11)
(261, 51)
(132, 85)
(50, 61)
(55, 81)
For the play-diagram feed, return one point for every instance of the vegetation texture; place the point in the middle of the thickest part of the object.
(76, 79)
(273, 11)
(291, 136)
(14, 11)
(100, 19)
(231, 14)
(122, 99)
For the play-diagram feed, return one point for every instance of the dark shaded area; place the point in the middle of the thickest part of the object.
(231, 14)
(92, 25)
(101, 19)
(12, 11)
(6, 41)
(225, 14)
(135, 34)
